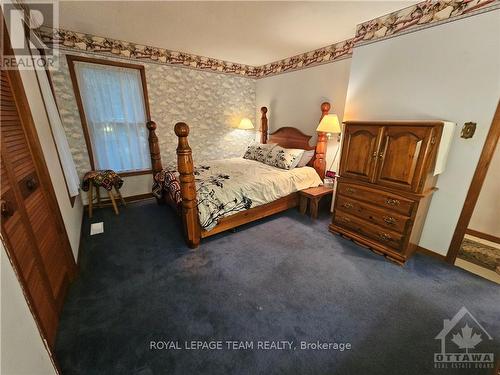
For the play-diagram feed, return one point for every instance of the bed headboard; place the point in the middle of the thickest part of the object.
(287, 137)
(290, 137)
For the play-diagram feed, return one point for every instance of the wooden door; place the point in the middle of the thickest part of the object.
(402, 155)
(31, 225)
(359, 151)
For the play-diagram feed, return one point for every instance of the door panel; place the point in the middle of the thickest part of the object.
(49, 244)
(36, 240)
(358, 151)
(401, 156)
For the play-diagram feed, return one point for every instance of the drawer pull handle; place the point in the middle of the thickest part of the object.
(348, 205)
(384, 237)
(381, 155)
(350, 190)
(344, 219)
(390, 220)
(374, 154)
(392, 202)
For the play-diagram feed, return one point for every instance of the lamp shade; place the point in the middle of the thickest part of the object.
(245, 123)
(329, 124)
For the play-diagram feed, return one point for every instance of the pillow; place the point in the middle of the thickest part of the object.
(284, 158)
(258, 151)
(306, 158)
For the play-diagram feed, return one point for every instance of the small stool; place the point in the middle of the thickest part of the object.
(313, 197)
(106, 179)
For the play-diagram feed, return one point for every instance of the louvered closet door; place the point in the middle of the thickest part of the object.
(36, 240)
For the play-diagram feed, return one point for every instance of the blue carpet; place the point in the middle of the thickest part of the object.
(282, 278)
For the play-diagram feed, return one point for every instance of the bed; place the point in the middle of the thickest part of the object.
(219, 195)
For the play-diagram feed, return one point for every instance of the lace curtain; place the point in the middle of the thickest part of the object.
(113, 102)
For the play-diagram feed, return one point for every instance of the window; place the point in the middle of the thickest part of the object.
(113, 107)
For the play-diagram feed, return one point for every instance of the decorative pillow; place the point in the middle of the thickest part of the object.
(306, 158)
(258, 151)
(284, 158)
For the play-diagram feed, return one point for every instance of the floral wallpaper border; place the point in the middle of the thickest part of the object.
(422, 15)
(333, 52)
(425, 14)
(66, 39)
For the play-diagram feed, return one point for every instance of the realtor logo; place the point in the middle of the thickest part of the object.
(461, 338)
(22, 21)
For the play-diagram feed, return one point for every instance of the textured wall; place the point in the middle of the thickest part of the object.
(211, 103)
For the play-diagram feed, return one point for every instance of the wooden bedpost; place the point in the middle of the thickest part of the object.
(185, 168)
(320, 155)
(263, 125)
(154, 148)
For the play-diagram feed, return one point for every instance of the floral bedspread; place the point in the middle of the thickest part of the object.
(225, 187)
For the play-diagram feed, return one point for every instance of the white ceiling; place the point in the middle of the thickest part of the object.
(248, 32)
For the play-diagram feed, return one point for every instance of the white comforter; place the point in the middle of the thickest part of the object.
(225, 187)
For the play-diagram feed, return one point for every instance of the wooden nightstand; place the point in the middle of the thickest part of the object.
(313, 196)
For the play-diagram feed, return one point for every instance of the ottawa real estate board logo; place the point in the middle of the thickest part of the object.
(461, 339)
(20, 25)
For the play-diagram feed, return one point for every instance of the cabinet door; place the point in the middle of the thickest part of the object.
(358, 152)
(402, 155)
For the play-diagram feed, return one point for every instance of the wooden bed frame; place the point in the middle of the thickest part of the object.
(287, 137)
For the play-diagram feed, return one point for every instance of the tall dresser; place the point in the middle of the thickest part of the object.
(386, 184)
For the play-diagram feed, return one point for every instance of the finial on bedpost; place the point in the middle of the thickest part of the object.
(320, 154)
(185, 168)
(263, 125)
(154, 148)
(325, 108)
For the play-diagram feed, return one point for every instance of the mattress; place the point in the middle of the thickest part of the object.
(225, 187)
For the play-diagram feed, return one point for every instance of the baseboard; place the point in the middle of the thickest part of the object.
(79, 255)
(423, 250)
(132, 198)
(484, 236)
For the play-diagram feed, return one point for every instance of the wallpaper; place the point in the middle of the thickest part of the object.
(211, 104)
(425, 14)
(333, 52)
(70, 40)
(422, 15)
(67, 39)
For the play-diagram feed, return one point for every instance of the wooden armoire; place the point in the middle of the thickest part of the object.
(386, 184)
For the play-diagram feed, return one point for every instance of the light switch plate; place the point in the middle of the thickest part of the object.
(96, 228)
(468, 130)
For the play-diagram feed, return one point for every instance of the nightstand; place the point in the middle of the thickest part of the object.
(312, 196)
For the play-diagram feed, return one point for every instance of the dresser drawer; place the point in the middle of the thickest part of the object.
(378, 197)
(362, 227)
(373, 214)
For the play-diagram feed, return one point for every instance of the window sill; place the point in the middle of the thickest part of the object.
(134, 173)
